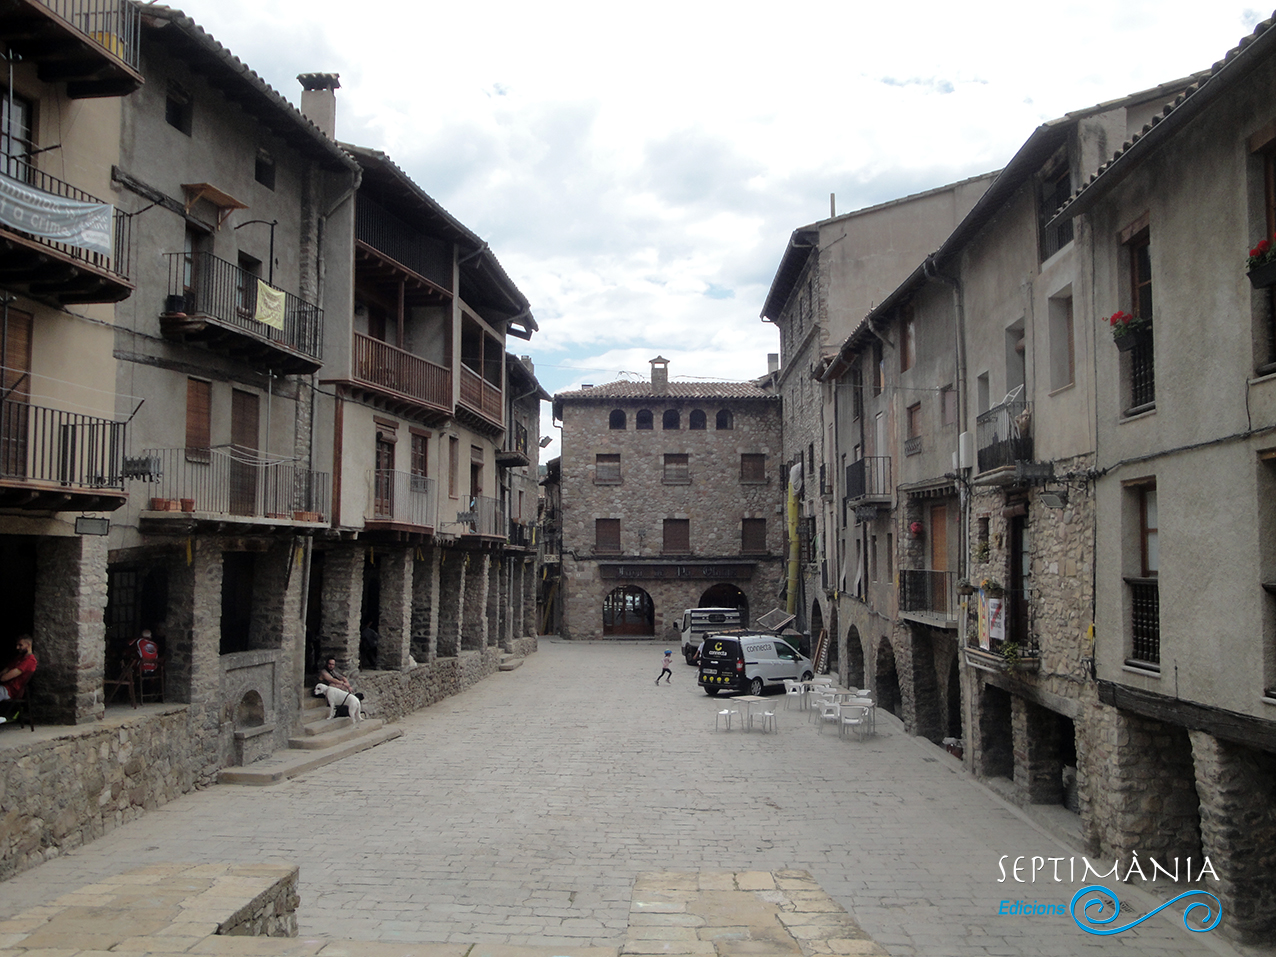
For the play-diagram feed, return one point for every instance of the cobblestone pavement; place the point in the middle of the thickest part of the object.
(521, 811)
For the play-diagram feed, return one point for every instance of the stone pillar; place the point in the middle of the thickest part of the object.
(474, 605)
(494, 617)
(396, 609)
(528, 628)
(1236, 785)
(452, 584)
(341, 604)
(69, 638)
(425, 603)
(1038, 766)
(993, 718)
(193, 670)
(276, 597)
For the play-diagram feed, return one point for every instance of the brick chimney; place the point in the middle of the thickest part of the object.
(660, 375)
(319, 100)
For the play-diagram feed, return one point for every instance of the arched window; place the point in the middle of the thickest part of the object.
(643, 419)
(671, 419)
(697, 419)
(724, 419)
(617, 419)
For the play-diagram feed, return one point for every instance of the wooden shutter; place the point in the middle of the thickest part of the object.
(677, 539)
(17, 355)
(199, 420)
(753, 536)
(752, 467)
(677, 469)
(606, 468)
(607, 535)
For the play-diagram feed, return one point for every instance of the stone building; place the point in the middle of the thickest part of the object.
(1185, 489)
(831, 274)
(671, 498)
(63, 429)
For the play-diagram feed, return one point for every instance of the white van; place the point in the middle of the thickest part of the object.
(750, 662)
(696, 623)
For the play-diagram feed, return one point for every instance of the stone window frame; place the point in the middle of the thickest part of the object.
(617, 421)
(676, 469)
(644, 420)
(753, 468)
(671, 420)
(724, 421)
(607, 536)
(697, 421)
(607, 469)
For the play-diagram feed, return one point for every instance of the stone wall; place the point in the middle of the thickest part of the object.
(393, 694)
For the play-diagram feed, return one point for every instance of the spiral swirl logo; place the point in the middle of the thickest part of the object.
(1092, 915)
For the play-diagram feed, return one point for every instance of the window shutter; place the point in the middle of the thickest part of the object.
(199, 415)
(607, 535)
(677, 538)
(753, 536)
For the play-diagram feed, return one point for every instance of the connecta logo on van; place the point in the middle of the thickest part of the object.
(755, 648)
(716, 650)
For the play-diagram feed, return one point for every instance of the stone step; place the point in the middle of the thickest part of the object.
(510, 662)
(325, 733)
(283, 765)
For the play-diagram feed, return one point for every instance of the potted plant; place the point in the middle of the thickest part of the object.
(1261, 264)
(965, 587)
(916, 529)
(1010, 652)
(992, 588)
(1127, 330)
(982, 551)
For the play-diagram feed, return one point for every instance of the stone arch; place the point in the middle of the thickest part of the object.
(886, 679)
(616, 419)
(726, 595)
(724, 420)
(671, 420)
(696, 420)
(854, 658)
(628, 610)
(643, 420)
(251, 711)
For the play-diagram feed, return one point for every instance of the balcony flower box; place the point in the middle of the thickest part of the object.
(1024, 663)
(188, 504)
(165, 505)
(1264, 275)
(300, 516)
(1128, 331)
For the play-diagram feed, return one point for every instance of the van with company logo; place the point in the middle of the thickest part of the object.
(750, 662)
(697, 623)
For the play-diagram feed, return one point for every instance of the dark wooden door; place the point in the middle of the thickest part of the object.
(384, 485)
(244, 440)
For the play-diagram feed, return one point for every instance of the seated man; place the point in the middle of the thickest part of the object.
(329, 675)
(14, 678)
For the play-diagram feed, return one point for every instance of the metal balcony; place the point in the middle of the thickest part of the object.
(928, 596)
(91, 45)
(869, 480)
(401, 501)
(225, 484)
(78, 254)
(1004, 435)
(485, 518)
(52, 460)
(214, 302)
(516, 452)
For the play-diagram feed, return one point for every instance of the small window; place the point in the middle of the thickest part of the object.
(752, 467)
(420, 455)
(723, 421)
(1142, 359)
(948, 403)
(1056, 187)
(264, 171)
(1149, 532)
(697, 420)
(1063, 357)
(643, 420)
(810, 458)
(453, 465)
(607, 469)
(753, 536)
(671, 420)
(915, 420)
(857, 392)
(607, 536)
(616, 420)
(178, 108)
(677, 469)
(677, 536)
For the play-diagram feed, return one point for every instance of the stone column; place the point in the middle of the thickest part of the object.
(452, 583)
(1038, 765)
(341, 604)
(425, 603)
(474, 606)
(995, 724)
(69, 638)
(193, 671)
(1238, 832)
(494, 617)
(396, 609)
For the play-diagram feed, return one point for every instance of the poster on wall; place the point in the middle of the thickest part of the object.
(992, 621)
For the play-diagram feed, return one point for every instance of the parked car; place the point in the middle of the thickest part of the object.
(750, 662)
(698, 623)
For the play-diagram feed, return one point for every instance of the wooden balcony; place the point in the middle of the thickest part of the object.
(91, 45)
(482, 404)
(58, 461)
(397, 380)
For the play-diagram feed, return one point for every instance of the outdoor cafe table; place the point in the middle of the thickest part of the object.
(748, 700)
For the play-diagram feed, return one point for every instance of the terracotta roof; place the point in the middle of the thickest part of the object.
(675, 390)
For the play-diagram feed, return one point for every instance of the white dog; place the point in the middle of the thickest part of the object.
(337, 697)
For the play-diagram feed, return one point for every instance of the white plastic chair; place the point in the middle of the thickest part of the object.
(764, 718)
(793, 689)
(822, 680)
(828, 713)
(854, 717)
(728, 714)
(815, 699)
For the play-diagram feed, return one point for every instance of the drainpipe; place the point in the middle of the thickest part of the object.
(931, 270)
(795, 484)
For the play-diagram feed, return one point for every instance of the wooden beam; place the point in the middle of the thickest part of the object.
(1221, 723)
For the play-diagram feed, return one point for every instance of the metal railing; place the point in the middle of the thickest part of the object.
(401, 497)
(224, 481)
(389, 367)
(929, 591)
(480, 395)
(520, 438)
(39, 444)
(485, 517)
(114, 25)
(870, 477)
(520, 534)
(1145, 621)
(203, 284)
(1004, 435)
(121, 223)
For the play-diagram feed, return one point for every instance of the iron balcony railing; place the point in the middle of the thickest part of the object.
(387, 367)
(1145, 622)
(67, 449)
(1004, 435)
(402, 497)
(870, 477)
(114, 25)
(928, 591)
(203, 284)
(520, 534)
(1018, 628)
(486, 516)
(480, 395)
(117, 263)
(520, 438)
(230, 482)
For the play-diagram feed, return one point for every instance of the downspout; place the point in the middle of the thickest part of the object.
(795, 485)
(931, 271)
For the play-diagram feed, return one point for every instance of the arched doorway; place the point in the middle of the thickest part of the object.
(726, 595)
(887, 679)
(817, 626)
(854, 659)
(629, 611)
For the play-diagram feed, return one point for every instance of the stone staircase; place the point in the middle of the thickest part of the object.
(321, 742)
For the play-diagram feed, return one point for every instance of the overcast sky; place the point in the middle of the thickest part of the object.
(637, 168)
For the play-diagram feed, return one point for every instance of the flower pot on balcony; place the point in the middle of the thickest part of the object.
(1133, 338)
(1260, 277)
(164, 505)
(175, 306)
(188, 505)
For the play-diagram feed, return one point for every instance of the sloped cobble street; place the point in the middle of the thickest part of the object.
(520, 812)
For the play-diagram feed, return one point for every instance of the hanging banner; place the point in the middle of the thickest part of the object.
(270, 305)
(992, 621)
(76, 223)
